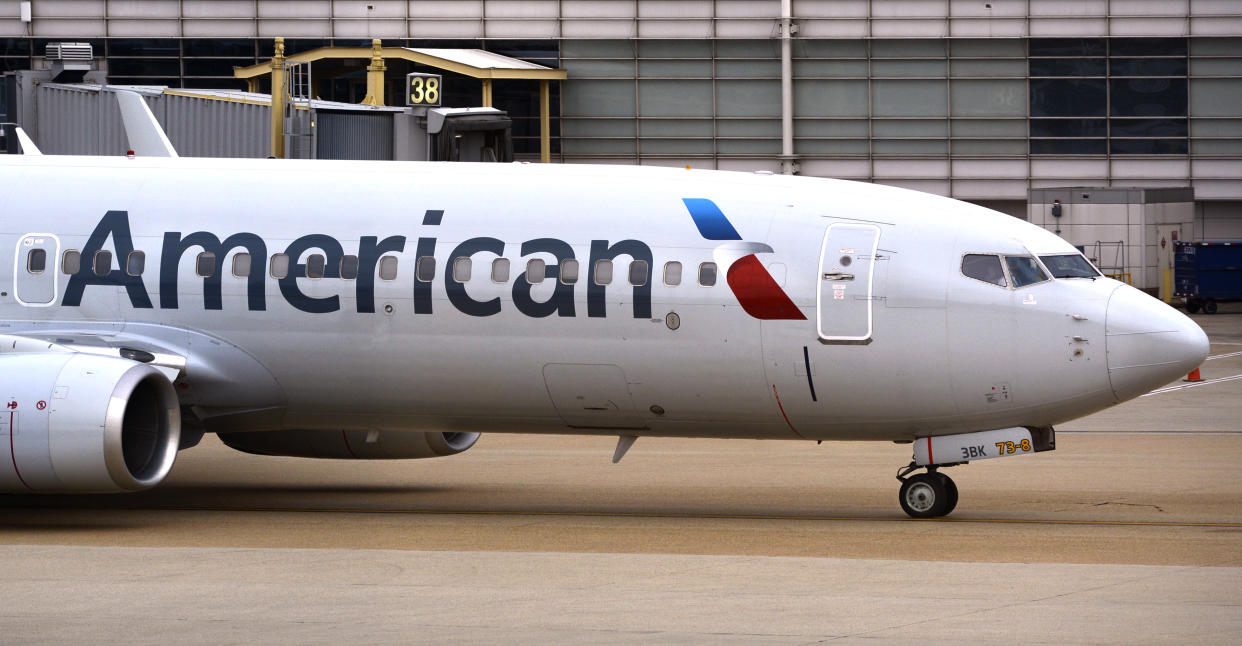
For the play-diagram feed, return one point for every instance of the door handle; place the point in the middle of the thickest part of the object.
(839, 275)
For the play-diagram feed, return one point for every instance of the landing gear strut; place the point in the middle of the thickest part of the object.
(926, 495)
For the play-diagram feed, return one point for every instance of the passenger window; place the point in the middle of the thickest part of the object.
(638, 272)
(1025, 271)
(349, 267)
(280, 265)
(569, 271)
(707, 274)
(425, 269)
(984, 267)
(205, 265)
(461, 269)
(536, 271)
(603, 272)
(71, 262)
(672, 273)
(136, 263)
(500, 270)
(241, 265)
(388, 268)
(36, 261)
(315, 265)
(103, 263)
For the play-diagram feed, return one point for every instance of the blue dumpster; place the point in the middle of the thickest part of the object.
(1207, 272)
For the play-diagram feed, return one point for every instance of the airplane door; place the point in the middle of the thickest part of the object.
(846, 272)
(591, 396)
(34, 271)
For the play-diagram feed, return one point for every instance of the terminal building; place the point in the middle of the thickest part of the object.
(997, 102)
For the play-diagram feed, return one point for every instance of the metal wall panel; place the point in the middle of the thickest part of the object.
(547, 19)
(211, 128)
(72, 121)
(354, 136)
(86, 121)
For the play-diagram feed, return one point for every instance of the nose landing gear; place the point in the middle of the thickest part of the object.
(926, 495)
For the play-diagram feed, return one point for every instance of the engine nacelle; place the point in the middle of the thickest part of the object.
(351, 445)
(74, 422)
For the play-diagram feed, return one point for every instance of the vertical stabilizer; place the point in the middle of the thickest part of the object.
(28, 145)
(146, 137)
(17, 141)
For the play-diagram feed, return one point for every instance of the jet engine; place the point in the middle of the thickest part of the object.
(76, 422)
(351, 445)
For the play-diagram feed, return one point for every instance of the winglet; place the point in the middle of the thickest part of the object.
(28, 145)
(146, 137)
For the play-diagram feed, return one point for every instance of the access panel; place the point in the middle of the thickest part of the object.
(591, 395)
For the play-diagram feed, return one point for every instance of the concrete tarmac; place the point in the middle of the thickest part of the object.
(1130, 532)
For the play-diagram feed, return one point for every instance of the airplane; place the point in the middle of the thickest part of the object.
(383, 310)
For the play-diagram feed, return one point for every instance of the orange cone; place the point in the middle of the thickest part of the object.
(1193, 376)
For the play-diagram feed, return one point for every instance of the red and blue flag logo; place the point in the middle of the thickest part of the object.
(756, 290)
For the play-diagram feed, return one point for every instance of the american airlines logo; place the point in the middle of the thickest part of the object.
(756, 290)
(759, 295)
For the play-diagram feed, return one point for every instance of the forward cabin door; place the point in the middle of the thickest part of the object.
(34, 275)
(846, 272)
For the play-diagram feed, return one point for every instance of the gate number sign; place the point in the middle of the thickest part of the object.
(423, 89)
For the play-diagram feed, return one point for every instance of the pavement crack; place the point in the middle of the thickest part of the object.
(1127, 504)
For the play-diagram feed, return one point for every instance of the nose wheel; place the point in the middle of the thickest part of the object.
(927, 495)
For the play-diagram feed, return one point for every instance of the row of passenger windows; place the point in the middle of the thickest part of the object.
(1025, 270)
(205, 265)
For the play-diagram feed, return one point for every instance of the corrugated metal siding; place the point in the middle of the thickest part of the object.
(211, 128)
(86, 121)
(74, 121)
(353, 136)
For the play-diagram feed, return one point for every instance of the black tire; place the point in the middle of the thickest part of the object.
(950, 488)
(1209, 307)
(1192, 307)
(924, 496)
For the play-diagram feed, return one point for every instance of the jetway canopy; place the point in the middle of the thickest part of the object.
(475, 63)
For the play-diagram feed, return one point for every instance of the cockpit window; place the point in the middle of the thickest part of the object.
(984, 267)
(1070, 265)
(1025, 270)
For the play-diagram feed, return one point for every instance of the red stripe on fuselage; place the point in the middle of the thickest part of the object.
(759, 295)
(13, 453)
(778, 405)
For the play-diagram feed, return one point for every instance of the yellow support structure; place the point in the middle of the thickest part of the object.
(278, 100)
(545, 124)
(375, 75)
(438, 59)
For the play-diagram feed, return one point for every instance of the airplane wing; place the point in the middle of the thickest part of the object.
(171, 364)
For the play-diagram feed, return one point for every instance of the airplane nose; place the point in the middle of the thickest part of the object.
(1149, 343)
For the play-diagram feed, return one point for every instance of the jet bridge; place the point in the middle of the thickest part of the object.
(455, 134)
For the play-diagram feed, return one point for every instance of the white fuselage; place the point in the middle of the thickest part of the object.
(942, 353)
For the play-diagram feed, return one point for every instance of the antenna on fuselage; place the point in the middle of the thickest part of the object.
(146, 137)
